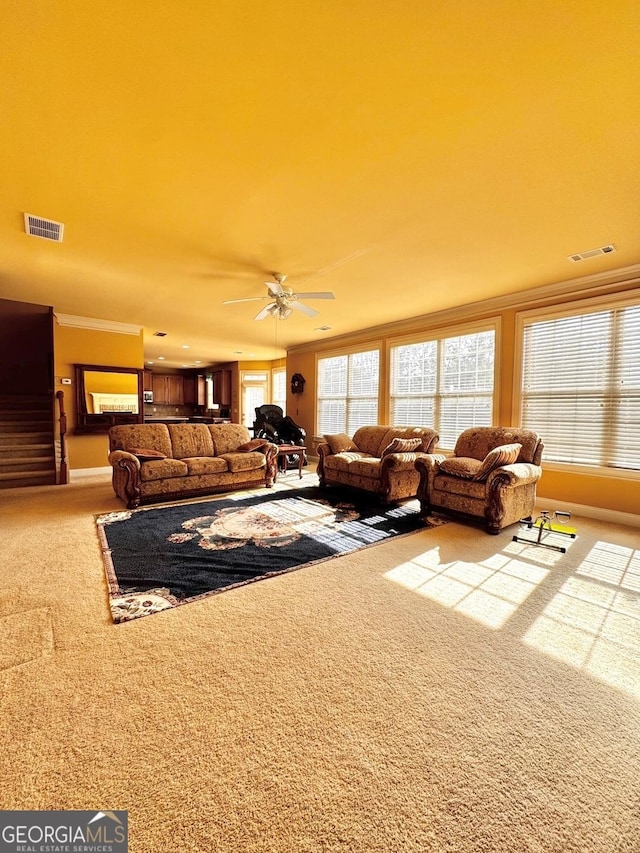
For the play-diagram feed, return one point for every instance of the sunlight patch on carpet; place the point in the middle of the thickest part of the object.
(593, 622)
(489, 592)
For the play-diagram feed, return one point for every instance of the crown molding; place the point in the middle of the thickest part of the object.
(522, 299)
(96, 325)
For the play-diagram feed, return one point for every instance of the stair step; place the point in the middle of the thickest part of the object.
(8, 428)
(11, 436)
(46, 478)
(26, 475)
(29, 462)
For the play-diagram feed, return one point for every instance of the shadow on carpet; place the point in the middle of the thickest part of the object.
(157, 558)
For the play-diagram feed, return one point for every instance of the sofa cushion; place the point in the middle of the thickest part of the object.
(149, 436)
(228, 437)
(373, 439)
(243, 461)
(206, 465)
(343, 461)
(190, 440)
(340, 442)
(505, 454)
(461, 466)
(402, 445)
(145, 454)
(159, 469)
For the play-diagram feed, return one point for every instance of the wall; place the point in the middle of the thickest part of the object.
(89, 346)
(26, 348)
(594, 489)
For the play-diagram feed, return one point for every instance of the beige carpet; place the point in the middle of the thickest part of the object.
(447, 691)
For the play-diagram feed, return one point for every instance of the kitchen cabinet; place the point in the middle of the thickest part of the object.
(168, 389)
(147, 383)
(195, 390)
(222, 388)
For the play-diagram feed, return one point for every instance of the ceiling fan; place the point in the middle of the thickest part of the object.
(283, 300)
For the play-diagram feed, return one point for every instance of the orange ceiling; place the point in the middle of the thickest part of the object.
(408, 156)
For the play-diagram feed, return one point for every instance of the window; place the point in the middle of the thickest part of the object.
(445, 383)
(279, 388)
(348, 391)
(581, 385)
(254, 393)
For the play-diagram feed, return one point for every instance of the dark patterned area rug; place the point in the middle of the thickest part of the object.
(160, 557)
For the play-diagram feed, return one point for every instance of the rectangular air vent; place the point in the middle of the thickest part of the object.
(36, 226)
(592, 253)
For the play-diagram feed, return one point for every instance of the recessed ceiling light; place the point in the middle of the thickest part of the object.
(198, 361)
(237, 352)
(322, 329)
(185, 346)
(149, 362)
(161, 358)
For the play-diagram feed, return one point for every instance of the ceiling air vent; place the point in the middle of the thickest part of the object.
(159, 334)
(592, 253)
(36, 226)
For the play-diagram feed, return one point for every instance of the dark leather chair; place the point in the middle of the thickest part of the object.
(271, 423)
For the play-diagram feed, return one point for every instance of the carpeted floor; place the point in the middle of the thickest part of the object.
(444, 691)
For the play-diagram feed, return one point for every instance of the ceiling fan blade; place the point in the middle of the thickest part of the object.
(275, 287)
(310, 312)
(326, 294)
(264, 312)
(246, 299)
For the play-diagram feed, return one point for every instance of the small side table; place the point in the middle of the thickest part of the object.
(287, 450)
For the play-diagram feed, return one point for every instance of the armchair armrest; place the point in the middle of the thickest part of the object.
(126, 477)
(403, 460)
(123, 458)
(518, 474)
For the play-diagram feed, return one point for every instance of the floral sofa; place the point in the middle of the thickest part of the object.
(492, 475)
(153, 462)
(378, 459)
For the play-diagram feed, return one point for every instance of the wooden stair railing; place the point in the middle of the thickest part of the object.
(63, 476)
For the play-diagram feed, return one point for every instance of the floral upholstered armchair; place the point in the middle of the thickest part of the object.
(492, 475)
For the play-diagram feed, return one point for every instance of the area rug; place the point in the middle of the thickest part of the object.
(157, 558)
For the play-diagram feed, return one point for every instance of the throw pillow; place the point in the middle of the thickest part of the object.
(505, 454)
(461, 466)
(254, 444)
(402, 445)
(340, 442)
(144, 454)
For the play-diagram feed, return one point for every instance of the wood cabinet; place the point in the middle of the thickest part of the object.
(222, 387)
(147, 381)
(168, 389)
(194, 390)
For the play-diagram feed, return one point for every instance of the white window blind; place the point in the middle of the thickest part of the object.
(279, 388)
(446, 383)
(581, 387)
(348, 392)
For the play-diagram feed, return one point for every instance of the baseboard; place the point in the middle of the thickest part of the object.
(596, 512)
(79, 473)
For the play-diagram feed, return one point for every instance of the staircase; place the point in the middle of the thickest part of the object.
(27, 441)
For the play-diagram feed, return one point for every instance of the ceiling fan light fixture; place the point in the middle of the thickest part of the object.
(285, 312)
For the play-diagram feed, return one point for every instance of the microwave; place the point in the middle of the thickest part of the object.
(147, 396)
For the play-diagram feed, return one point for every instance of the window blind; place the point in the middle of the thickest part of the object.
(446, 383)
(581, 387)
(348, 392)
